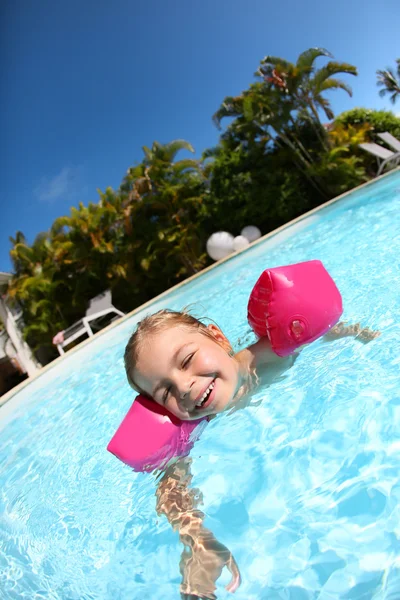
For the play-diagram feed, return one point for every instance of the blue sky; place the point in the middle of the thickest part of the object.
(85, 84)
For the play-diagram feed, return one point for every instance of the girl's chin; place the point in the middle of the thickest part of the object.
(201, 414)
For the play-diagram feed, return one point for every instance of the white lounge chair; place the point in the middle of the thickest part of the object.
(390, 140)
(384, 156)
(99, 307)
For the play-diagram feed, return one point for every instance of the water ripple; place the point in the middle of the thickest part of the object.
(303, 486)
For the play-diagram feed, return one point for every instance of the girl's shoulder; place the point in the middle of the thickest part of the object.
(260, 360)
(259, 354)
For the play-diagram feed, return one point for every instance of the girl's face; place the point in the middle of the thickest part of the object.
(188, 373)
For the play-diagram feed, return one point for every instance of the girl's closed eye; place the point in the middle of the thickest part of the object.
(187, 360)
(166, 394)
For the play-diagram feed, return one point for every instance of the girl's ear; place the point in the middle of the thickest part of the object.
(219, 336)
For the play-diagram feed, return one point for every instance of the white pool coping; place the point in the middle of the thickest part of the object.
(297, 223)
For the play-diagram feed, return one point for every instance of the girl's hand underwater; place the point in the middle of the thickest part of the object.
(363, 334)
(203, 557)
(202, 562)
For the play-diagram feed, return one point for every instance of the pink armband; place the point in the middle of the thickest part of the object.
(149, 436)
(294, 305)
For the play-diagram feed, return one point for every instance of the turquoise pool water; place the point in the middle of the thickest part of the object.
(303, 487)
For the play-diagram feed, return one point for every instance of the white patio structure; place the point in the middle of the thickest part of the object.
(19, 350)
(390, 140)
(99, 307)
(385, 157)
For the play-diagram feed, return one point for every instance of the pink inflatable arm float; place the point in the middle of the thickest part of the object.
(292, 305)
(149, 436)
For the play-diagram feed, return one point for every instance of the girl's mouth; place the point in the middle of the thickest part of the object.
(207, 397)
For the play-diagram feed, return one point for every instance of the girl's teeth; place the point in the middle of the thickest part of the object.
(205, 395)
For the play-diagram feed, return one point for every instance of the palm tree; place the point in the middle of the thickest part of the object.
(88, 245)
(19, 253)
(389, 82)
(158, 161)
(286, 94)
(36, 288)
(260, 116)
(305, 84)
(165, 195)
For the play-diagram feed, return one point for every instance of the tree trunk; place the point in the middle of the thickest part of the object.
(318, 127)
(303, 167)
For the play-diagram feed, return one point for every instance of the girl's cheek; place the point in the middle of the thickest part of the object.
(206, 361)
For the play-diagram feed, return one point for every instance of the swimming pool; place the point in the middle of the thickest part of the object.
(303, 487)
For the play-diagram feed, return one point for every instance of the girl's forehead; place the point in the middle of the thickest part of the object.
(158, 348)
(175, 332)
(169, 338)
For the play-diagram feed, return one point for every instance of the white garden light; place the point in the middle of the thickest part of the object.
(220, 245)
(240, 242)
(251, 232)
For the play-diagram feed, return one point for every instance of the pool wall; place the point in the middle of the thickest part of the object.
(275, 237)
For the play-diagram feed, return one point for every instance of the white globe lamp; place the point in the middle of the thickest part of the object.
(251, 232)
(240, 243)
(220, 245)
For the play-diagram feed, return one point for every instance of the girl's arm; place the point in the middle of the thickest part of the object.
(340, 330)
(261, 352)
(203, 557)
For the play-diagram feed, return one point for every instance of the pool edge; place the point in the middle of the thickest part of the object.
(14, 391)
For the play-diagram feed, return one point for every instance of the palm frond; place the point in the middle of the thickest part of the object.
(147, 152)
(307, 58)
(211, 153)
(186, 165)
(172, 148)
(41, 306)
(19, 238)
(389, 83)
(334, 84)
(248, 110)
(35, 284)
(325, 105)
(386, 78)
(332, 68)
(41, 239)
(230, 107)
(59, 225)
(276, 63)
(22, 252)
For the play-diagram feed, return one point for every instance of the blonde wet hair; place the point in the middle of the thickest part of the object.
(155, 323)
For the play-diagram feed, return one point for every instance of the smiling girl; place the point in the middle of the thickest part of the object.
(191, 370)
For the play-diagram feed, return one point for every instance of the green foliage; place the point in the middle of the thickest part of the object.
(275, 160)
(166, 197)
(275, 110)
(36, 287)
(257, 187)
(303, 84)
(137, 241)
(379, 121)
(339, 169)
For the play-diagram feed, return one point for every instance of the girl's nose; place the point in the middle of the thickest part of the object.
(184, 388)
(184, 395)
